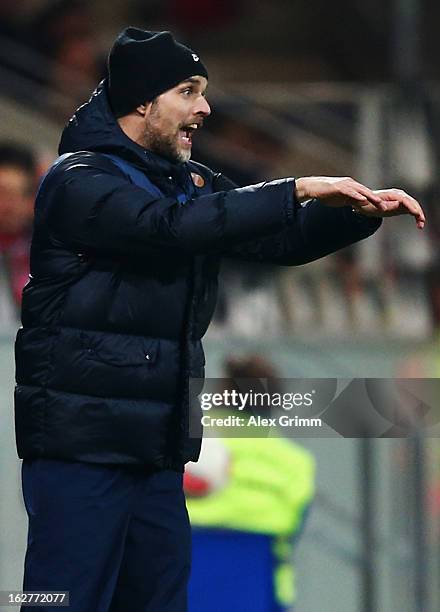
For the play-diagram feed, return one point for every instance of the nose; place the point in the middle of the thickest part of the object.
(202, 107)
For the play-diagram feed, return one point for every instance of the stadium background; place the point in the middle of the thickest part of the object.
(297, 88)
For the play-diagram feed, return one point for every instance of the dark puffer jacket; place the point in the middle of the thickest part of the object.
(123, 287)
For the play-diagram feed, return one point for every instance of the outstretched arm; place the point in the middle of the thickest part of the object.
(318, 231)
(85, 203)
(322, 226)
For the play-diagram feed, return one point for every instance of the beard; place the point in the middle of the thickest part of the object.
(166, 146)
(163, 144)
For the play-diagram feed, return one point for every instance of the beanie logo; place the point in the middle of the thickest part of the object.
(195, 57)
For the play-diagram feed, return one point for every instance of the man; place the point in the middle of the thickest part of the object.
(128, 236)
(17, 191)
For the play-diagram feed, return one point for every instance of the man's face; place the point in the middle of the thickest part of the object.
(173, 117)
(16, 205)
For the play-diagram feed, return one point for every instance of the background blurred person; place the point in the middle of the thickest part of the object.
(253, 487)
(65, 32)
(17, 191)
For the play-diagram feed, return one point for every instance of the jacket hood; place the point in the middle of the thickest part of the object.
(93, 127)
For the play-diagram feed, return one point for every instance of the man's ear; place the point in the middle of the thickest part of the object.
(144, 109)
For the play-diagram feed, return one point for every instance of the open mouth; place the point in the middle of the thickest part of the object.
(186, 133)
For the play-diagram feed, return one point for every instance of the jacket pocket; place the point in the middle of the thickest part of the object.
(121, 350)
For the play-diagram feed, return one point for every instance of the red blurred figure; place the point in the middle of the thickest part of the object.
(17, 191)
(66, 32)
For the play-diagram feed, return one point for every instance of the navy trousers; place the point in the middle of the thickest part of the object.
(116, 538)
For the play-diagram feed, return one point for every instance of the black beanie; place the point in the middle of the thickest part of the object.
(142, 65)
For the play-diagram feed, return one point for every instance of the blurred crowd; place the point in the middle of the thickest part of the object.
(53, 52)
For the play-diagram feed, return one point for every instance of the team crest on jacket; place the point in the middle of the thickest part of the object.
(198, 180)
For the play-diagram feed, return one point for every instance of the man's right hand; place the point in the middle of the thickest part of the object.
(337, 191)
